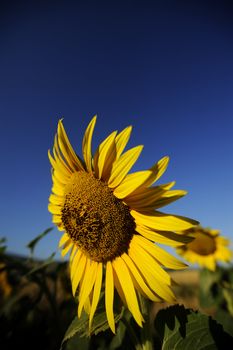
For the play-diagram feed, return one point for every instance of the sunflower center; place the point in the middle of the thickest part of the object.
(98, 222)
(203, 244)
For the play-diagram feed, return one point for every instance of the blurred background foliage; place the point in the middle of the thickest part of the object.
(37, 309)
(35, 301)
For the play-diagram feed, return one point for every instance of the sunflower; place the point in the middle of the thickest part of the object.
(110, 222)
(206, 248)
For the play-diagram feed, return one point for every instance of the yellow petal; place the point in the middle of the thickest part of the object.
(122, 166)
(119, 289)
(66, 248)
(163, 237)
(75, 264)
(157, 170)
(63, 156)
(131, 183)
(58, 200)
(96, 293)
(66, 148)
(64, 239)
(163, 222)
(152, 264)
(105, 156)
(109, 295)
(122, 140)
(54, 209)
(222, 240)
(154, 173)
(57, 151)
(128, 288)
(56, 180)
(140, 282)
(87, 155)
(56, 219)
(157, 285)
(58, 156)
(168, 197)
(160, 254)
(145, 196)
(224, 254)
(88, 283)
(209, 262)
(73, 253)
(57, 189)
(61, 171)
(87, 306)
(78, 273)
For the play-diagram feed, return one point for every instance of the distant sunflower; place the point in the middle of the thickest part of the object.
(111, 222)
(206, 249)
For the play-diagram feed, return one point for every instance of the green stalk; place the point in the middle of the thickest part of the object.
(146, 334)
(133, 336)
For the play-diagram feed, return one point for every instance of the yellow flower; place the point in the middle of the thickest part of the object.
(111, 222)
(206, 249)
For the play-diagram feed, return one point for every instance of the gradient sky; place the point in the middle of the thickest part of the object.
(163, 66)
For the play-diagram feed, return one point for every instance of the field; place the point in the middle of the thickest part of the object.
(186, 290)
(37, 306)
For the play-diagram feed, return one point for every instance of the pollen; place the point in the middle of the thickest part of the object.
(98, 223)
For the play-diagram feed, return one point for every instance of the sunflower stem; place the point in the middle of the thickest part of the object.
(146, 334)
(133, 336)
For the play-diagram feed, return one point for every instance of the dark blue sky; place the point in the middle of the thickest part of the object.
(163, 66)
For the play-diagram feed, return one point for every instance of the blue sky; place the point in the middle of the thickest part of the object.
(163, 66)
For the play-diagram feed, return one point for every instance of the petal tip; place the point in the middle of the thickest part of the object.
(94, 118)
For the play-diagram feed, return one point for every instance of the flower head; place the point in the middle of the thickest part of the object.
(110, 222)
(206, 249)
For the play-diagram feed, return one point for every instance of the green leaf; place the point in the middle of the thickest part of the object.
(210, 291)
(77, 343)
(79, 327)
(118, 338)
(183, 329)
(32, 244)
(42, 266)
(2, 240)
(228, 295)
(2, 245)
(226, 320)
(230, 276)
(75, 331)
